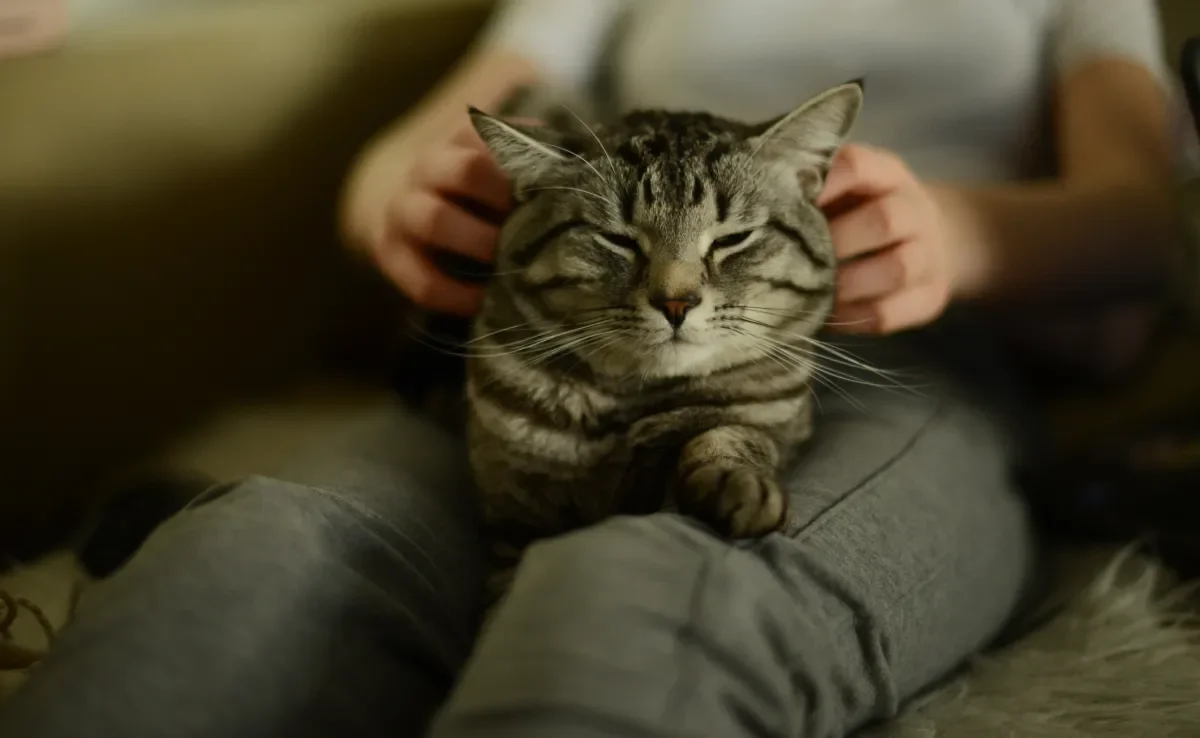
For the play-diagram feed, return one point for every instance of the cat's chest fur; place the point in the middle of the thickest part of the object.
(552, 453)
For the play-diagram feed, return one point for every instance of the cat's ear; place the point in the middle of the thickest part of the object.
(524, 152)
(806, 139)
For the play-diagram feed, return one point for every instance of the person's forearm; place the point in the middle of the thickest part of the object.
(484, 79)
(1058, 240)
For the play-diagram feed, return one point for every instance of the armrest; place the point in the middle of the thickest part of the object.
(167, 220)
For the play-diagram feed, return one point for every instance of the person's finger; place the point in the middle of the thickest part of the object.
(860, 171)
(414, 273)
(426, 218)
(896, 312)
(467, 137)
(875, 224)
(467, 172)
(893, 269)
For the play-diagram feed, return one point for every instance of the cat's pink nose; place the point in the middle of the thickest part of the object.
(676, 307)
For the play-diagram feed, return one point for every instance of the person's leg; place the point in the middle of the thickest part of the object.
(340, 602)
(907, 552)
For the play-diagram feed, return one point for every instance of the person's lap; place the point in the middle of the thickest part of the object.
(347, 600)
(907, 551)
(343, 602)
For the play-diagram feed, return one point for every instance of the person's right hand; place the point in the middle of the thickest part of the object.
(425, 205)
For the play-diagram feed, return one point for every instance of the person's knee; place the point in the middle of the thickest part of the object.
(621, 549)
(304, 542)
(324, 610)
(669, 617)
(249, 537)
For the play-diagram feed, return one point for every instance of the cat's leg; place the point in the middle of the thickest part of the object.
(728, 478)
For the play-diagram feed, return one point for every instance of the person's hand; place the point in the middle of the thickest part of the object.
(888, 232)
(443, 194)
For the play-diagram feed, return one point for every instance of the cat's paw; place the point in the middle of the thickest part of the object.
(738, 501)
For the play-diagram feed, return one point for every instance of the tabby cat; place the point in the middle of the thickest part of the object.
(646, 339)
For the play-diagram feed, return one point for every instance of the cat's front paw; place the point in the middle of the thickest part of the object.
(738, 501)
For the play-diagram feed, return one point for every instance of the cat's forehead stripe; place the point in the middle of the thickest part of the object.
(647, 136)
(647, 189)
(722, 206)
(676, 156)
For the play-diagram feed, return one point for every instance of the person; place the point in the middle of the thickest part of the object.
(1012, 165)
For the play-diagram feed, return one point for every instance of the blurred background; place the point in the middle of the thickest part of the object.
(171, 287)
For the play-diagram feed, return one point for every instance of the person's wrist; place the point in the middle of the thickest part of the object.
(963, 233)
(369, 186)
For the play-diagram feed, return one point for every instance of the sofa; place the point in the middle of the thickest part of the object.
(171, 286)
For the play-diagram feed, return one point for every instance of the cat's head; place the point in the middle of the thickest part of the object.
(670, 244)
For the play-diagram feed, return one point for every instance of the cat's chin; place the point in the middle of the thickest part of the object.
(669, 359)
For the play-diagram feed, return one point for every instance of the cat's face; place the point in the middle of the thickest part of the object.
(670, 244)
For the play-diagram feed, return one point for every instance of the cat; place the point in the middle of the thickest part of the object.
(646, 339)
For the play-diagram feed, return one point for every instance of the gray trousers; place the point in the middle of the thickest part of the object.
(342, 598)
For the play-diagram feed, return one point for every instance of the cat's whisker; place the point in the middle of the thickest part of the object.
(542, 334)
(612, 168)
(507, 273)
(890, 379)
(840, 355)
(486, 336)
(845, 323)
(840, 392)
(580, 190)
(798, 314)
(818, 378)
(463, 274)
(834, 353)
(602, 178)
(775, 310)
(592, 351)
(792, 361)
(560, 335)
(770, 355)
(584, 332)
(821, 364)
(762, 140)
(526, 345)
(591, 338)
(788, 316)
(821, 372)
(417, 331)
(573, 347)
(612, 308)
(821, 368)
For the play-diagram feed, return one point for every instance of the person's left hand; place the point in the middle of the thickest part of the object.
(888, 230)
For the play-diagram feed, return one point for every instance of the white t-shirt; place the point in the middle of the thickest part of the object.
(959, 88)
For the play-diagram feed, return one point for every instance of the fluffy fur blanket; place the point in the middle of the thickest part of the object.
(1118, 657)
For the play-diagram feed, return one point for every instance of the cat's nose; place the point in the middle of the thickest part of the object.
(676, 307)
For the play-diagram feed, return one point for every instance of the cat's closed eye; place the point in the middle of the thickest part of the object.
(731, 240)
(619, 241)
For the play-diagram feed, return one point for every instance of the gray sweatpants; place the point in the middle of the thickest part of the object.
(342, 599)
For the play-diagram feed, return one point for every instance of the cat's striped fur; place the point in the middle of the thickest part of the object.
(646, 339)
